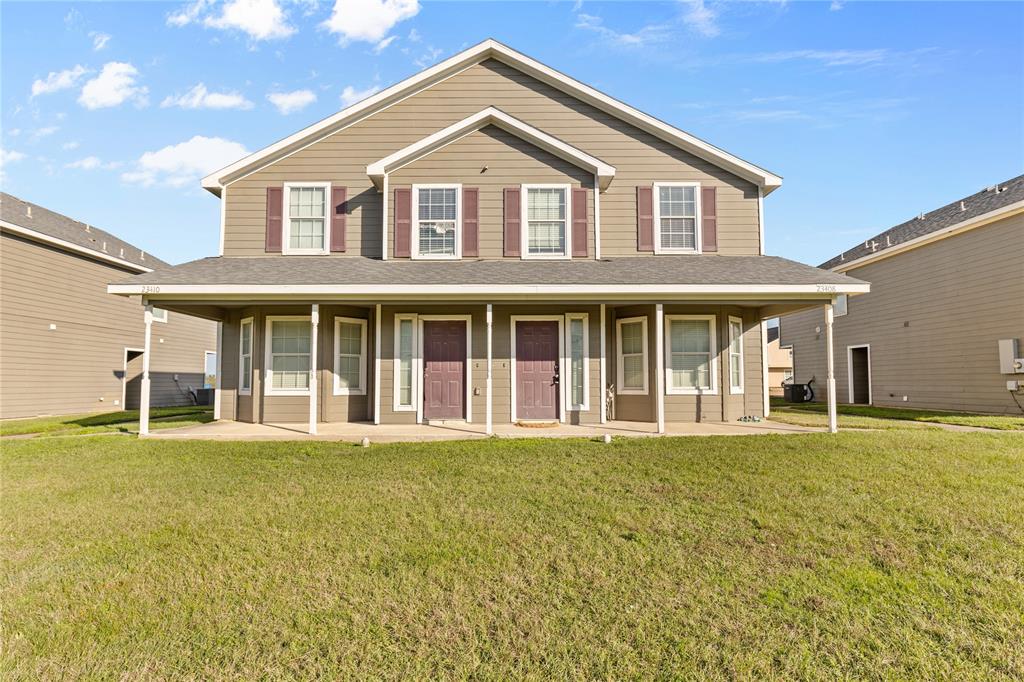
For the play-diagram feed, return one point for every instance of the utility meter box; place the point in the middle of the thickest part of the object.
(1010, 360)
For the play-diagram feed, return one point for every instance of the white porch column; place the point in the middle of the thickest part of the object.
(764, 368)
(597, 221)
(659, 363)
(144, 390)
(217, 380)
(384, 226)
(490, 367)
(830, 371)
(376, 354)
(603, 369)
(314, 366)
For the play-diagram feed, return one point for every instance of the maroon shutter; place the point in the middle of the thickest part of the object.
(709, 219)
(470, 222)
(275, 212)
(579, 222)
(403, 222)
(513, 220)
(339, 209)
(645, 219)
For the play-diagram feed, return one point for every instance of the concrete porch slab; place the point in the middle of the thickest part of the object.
(398, 433)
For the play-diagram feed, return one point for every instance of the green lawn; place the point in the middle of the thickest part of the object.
(868, 417)
(894, 554)
(124, 421)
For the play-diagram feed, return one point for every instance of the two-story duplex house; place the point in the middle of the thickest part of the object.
(495, 242)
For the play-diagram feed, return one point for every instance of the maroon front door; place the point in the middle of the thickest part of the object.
(444, 369)
(537, 370)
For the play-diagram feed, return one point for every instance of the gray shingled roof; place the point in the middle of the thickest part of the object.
(16, 211)
(297, 270)
(980, 203)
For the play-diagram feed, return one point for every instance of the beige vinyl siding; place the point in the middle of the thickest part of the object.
(78, 367)
(639, 158)
(933, 319)
(510, 162)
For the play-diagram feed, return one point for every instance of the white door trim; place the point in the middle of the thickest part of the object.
(849, 372)
(124, 372)
(468, 376)
(560, 319)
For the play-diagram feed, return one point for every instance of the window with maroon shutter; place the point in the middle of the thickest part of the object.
(339, 211)
(403, 222)
(645, 219)
(709, 218)
(470, 222)
(513, 221)
(579, 222)
(275, 214)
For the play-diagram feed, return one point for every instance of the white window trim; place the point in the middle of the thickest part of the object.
(468, 377)
(252, 345)
(712, 321)
(846, 306)
(657, 217)
(397, 363)
(166, 315)
(736, 390)
(585, 406)
(524, 226)
(415, 242)
(268, 378)
(345, 390)
(216, 378)
(620, 384)
(286, 219)
(562, 361)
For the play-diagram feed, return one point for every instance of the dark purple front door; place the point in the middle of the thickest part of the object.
(444, 369)
(537, 370)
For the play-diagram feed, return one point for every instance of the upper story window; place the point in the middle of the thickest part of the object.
(306, 224)
(841, 306)
(676, 211)
(437, 221)
(546, 233)
(159, 314)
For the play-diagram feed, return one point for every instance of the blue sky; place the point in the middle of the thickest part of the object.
(872, 112)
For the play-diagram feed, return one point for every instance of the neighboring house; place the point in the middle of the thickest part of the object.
(491, 241)
(946, 288)
(780, 363)
(66, 346)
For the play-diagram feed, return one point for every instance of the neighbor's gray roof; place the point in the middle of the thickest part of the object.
(310, 270)
(985, 201)
(43, 220)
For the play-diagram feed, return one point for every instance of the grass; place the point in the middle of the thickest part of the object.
(893, 554)
(123, 421)
(869, 417)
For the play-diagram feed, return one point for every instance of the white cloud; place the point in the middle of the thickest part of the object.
(383, 45)
(368, 20)
(58, 80)
(287, 102)
(259, 19)
(201, 98)
(185, 163)
(702, 19)
(92, 163)
(414, 36)
(652, 33)
(835, 6)
(40, 133)
(114, 86)
(427, 58)
(350, 95)
(69, 146)
(188, 13)
(99, 40)
(8, 156)
(828, 57)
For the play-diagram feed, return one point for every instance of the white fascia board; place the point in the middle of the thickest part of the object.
(478, 53)
(952, 230)
(71, 246)
(490, 116)
(825, 291)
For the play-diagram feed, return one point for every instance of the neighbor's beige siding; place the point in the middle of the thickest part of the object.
(640, 159)
(933, 320)
(78, 367)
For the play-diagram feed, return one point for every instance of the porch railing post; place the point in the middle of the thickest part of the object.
(314, 366)
(144, 389)
(830, 371)
(490, 363)
(659, 363)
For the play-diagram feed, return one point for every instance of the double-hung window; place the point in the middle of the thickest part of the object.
(245, 357)
(349, 356)
(841, 306)
(631, 364)
(676, 222)
(690, 355)
(288, 355)
(577, 332)
(306, 218)
(405, 363)
(546, 218)
(159, 314)
(437, 221)
(735, 355)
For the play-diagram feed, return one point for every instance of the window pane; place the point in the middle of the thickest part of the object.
(290, 371)
(307, 202)
(437, 238)
(735, 371)
(437, 204)
(306, 233)
(350, 338)
(840, 307)
(576, 361)
(348, 371)
(405, 362)
(633, 371)
(678, 233)
(546, 204)
(247, 338)
(545, 209)
(735, 337)
(691, 370)
(677, 201)
(691, 336)
(246, 372)
(632, 338)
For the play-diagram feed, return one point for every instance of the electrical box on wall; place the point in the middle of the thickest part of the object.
(1010, 360)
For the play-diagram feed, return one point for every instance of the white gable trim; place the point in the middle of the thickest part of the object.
(485, 117)
(491, 49)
